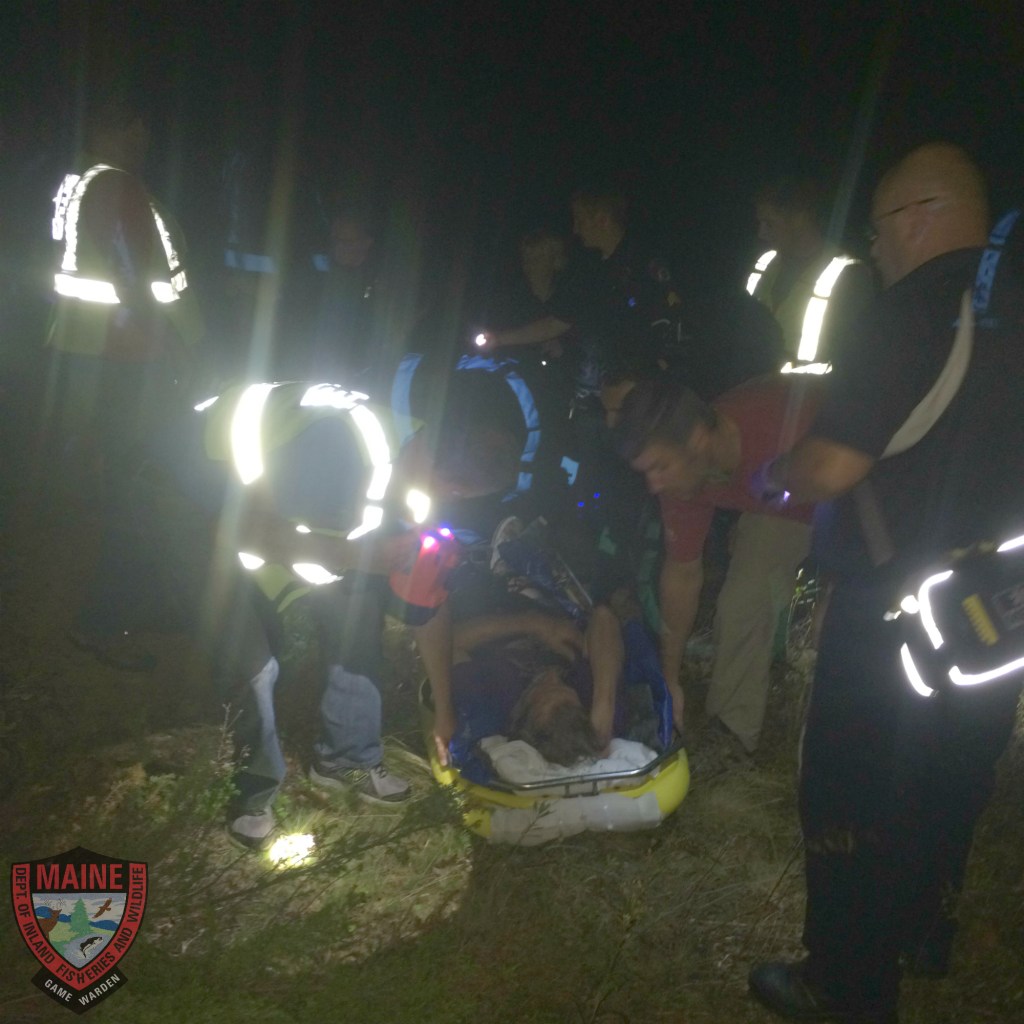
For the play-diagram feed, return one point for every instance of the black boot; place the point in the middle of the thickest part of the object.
(784, 989)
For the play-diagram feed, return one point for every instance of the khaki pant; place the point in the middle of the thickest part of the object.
(758, 586)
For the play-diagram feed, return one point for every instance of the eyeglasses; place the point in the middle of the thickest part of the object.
(872, 229)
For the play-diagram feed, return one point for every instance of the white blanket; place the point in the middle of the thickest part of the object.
(517, 762)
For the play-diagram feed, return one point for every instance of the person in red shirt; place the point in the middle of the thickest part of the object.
(698, 458)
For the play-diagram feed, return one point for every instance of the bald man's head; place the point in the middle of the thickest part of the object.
(932, 202)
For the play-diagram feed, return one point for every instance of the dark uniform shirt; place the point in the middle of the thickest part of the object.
(962, 481)
(627, 302)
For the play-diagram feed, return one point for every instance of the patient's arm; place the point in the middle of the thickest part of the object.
(557, 633)
(607, 655)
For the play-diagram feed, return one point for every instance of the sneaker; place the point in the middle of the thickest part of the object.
(376, 785)
(253, 831)
(120, 652)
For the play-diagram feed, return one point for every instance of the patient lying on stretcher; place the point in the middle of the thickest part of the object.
(535, 676)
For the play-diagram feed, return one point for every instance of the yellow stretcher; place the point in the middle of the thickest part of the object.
(538, 812)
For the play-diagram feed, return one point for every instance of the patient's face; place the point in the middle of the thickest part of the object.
(545, 695)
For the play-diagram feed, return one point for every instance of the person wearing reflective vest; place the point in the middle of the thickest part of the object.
(811, 287)
(320, 505)
(124, 319)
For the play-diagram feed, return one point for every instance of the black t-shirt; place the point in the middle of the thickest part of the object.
(963, 481)
(626, 300)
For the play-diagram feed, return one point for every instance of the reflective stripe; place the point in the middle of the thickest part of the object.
(912, 674)
(807, 368)
(814, 316)
(85, 289)
(246, 439)
(759, 268)
(69, 264)
(319, 395)
(418, 504)
(60, 204)
(373, 516)
(1010, 545)
(927, 616)
(376, 444)
(164, 291)
(313, 573)
(962, 679)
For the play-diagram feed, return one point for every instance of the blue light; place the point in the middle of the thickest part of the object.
(631, 303)
(597, 494)
(579, 504)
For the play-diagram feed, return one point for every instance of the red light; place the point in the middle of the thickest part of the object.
(429, 543)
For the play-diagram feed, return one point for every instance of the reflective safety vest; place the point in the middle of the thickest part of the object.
(801, 313)
(247, 421)
(83, 274)
(506, 368)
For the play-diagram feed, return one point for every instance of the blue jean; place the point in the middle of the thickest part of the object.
(350, 714)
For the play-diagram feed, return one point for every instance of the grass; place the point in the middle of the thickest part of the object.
(404, 917)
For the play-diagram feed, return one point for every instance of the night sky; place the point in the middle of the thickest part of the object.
(496, 111)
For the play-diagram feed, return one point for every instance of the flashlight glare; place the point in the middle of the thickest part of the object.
(480, 340)
(291, 851)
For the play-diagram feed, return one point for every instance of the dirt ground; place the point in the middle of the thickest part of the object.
(407, 918)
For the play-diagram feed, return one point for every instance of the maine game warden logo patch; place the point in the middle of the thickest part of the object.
(79, 912)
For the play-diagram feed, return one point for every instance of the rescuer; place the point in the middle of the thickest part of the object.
(698, 458)
(125, 319)
(308, 498)
(893, 779)
(812, 288)
(123, 332)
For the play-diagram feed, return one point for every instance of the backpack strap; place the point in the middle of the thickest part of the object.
(986, 276)
(974, 308)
